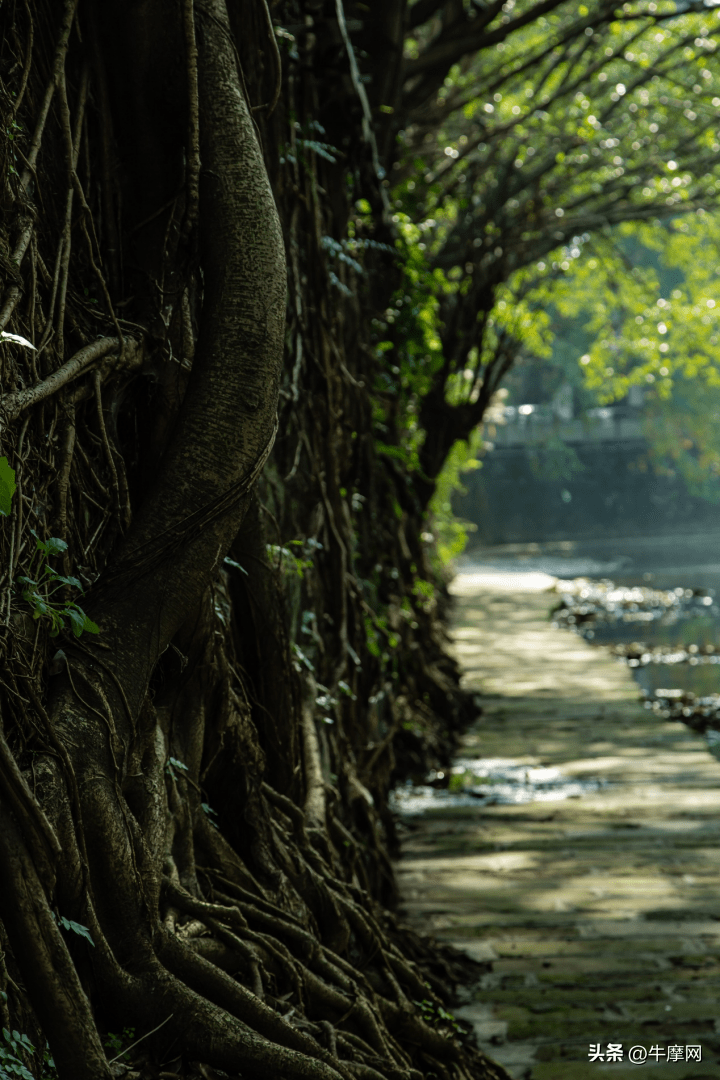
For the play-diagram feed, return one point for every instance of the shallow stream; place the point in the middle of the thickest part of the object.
(489, 782)
(669, 637)
(653, 603)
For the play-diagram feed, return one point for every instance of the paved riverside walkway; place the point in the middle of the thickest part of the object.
(600, 914)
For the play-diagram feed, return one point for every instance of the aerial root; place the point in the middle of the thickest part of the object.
(231, 996)
(323, 982)
(213, 914)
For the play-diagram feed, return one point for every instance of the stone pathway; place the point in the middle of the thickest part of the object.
(600, 914)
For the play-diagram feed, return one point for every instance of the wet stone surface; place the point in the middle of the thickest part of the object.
(596, 907)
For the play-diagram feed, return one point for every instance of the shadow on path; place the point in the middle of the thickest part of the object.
(600, 914)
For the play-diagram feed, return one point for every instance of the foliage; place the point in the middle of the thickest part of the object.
(450, 534)
(38, 593)
(437, 1015)
(75, 927)
(649, 302)
(117, 1042)
(294, 557)
(7, 486)
(553, 459)
(11, 1063)
(176, 768)
(18, 1046)
(575, 122)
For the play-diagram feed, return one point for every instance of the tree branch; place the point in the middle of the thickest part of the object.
(13, 404)
(451, 46)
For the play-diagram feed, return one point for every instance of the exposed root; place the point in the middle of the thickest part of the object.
(216, 823)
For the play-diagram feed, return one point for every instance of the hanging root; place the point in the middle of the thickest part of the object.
(169, 785)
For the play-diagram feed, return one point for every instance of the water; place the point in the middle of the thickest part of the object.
(665, 562)
(489, 782)
(653, 629)
(652, 601)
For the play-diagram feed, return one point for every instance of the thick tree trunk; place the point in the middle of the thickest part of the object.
(226, 424)
(201, 786)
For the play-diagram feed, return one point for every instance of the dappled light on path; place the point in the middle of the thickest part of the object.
(597, 914)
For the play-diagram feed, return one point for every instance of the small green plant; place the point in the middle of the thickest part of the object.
(175, 768)
(424, 590)
(50, 1069)
(211, 814)
(116, 1042)
(39, 590)
(295, 561)
(437, 1016)
(76, 927)
(11, 1064)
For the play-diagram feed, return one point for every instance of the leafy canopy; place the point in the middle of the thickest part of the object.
(566, 126)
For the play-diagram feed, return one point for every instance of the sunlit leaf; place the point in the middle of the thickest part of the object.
(7, 486)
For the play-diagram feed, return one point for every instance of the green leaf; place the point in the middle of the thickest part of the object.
(231, 562)
(54, 545)
(323, 150)
(80, 621)
(178, 764)
(77, 621)
(210, 814)
(392, 451)
(7, 486)
(76, 927)
(302, 658)
(68, 581)
(39, 605)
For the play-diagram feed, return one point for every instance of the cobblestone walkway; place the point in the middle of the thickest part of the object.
(600, 914)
